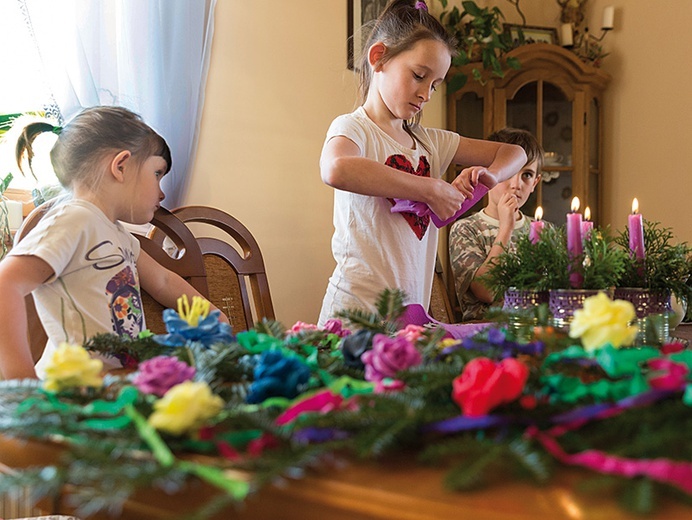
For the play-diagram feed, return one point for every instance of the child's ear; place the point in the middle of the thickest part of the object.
(118, 164)
(375, 54)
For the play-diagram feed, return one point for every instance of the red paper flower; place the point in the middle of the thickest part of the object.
(667, 374)
(485, 384)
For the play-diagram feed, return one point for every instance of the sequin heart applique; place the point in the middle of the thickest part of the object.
(419, 225)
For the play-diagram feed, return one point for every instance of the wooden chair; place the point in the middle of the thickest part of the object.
(440, 303)
(183, 256)
(236, 275)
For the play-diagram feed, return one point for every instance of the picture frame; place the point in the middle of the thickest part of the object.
(360, 13)
(532, 33)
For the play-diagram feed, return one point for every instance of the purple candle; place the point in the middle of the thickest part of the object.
(574, 244)
(636, 230)
(586, 225)
(536, 226)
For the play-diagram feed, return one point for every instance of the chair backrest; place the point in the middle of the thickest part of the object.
(236, 275)
(184, 257)
(440, 303)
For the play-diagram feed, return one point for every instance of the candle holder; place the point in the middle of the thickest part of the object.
(520, 305)
(564, 302)
(653, 311)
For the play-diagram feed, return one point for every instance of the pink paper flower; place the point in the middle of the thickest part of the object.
(301, 326)
(335, 326)
(161, 373)
(485, 384)
(668, 375)
(389, 356)
(411, 332)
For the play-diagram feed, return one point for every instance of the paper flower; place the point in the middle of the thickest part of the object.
(485, 384)
(335, 326)
(667, 374)
(411, 332)
(301, 326)
(161, 373)
(193, 323)
(71, 366)
(277, 375)
(603, 321)
(389, 356)
(185, 408)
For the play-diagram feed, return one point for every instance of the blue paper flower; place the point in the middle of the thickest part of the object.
(277, 375)
(209, 330)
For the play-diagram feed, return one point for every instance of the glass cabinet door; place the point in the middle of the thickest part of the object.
(543, 109)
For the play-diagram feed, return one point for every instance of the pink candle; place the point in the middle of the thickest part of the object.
(574, 244)
(536, 226)
(636, 230)
(586, 225)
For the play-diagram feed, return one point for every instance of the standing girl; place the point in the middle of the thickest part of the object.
(81, 265)
(380, 152)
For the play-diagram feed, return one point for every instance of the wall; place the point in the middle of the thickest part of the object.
(278, 77)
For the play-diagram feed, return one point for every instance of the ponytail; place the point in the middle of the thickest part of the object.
(26, 139)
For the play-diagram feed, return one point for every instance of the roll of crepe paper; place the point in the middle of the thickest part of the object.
(422, 209)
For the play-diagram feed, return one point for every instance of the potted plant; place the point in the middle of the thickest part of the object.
(481, 39)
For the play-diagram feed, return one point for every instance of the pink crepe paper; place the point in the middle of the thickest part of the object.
(678, 474)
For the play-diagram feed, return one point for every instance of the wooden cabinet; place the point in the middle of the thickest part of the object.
(556, 97)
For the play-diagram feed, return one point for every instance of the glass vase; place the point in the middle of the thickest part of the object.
(563, 303)
(520, 304)
(653, 310)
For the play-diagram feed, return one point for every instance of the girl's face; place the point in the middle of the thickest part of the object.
(146, 193)
(521, 185)
(406, 82)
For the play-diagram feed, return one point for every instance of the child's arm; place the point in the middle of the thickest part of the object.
(342, 167)
(19, 275)
(490, 162)
(164, 285)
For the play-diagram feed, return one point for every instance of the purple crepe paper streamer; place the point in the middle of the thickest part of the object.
(318, 435)
(603, 410)
(422, 209)
(463, 423)
(414, 314)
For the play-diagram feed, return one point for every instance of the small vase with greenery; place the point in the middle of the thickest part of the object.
(481, 37)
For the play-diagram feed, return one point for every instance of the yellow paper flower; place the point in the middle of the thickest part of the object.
(193, 313)
(71, 366)
(604, 321)
(185, 408)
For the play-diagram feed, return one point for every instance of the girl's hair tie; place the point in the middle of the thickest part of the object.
(56, 130)
(421, 5)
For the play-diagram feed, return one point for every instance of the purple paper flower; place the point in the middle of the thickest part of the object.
(389, 356)
(157, 375)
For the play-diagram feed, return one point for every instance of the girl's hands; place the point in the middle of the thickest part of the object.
(445, 199)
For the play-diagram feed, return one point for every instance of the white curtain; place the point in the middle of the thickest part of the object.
(151, 56)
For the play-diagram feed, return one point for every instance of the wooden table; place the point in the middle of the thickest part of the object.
(393, 490)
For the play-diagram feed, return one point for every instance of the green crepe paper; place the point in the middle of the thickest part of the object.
(128, 395)
(622, 362)
(348, 387)
(684, 357)
(687, 397)
(238, 489)
(149, 435)
(49, 403)
(116, 423)
(570, 389)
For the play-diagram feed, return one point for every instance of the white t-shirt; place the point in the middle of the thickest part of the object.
(95, 288)
(375, 249)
